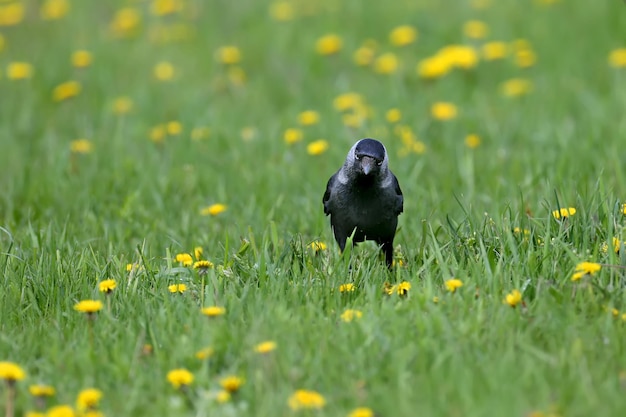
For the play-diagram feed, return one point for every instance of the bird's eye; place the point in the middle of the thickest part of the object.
(379, 163)
(357, 157)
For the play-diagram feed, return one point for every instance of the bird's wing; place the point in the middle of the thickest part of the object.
(400, 197)
(327, 194)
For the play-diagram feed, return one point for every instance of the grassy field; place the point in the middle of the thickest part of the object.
(133, 133)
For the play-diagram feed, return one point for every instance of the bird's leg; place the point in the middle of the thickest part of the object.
(387, 248)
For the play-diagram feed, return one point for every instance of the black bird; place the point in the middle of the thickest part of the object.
(364, 197)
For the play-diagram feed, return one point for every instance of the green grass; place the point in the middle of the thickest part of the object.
(70, 220)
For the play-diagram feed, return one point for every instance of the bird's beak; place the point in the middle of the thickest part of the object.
(367, 164)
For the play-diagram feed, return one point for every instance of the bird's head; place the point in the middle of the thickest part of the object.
(367, 158)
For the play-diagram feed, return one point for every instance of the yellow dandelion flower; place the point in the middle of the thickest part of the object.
(203, 265)
(164, 71)
(231, 383)
(617, 245)
(585, 268)
(317, 147)
(184, 258)
(403, 35)
(281, 11)
(228, 55)
(11, 14)
(133, 267)
(617, 58)
(459, 56)
(393, 115)
(126, 21)
(88, 306)
(386, 63)
(363, 56)
(222, 396)
(292, 136)
(306, 400)
(197, 252)
(328, 45)
(213, 311)
(564, 212)
(453, 284)
(107, 286)
(88, 399)
(494, 50)
(61, 411)
(349, 287)
(516, 87)
(347, 101)
(615, 312)
(433, 67)
(213, 210)
(513, 298)
(180, 378)
(54, 9)
(525, 58)
(66, 90)
(436, 300)
(350, 315)
(361, 412)
(475, 29)
(165, 7)
(177, 288)
(443, 111)
(158, 133)
(81, 59)
(11, 372)
(265, 347)
(122, 105)
(472, 141)
(205, 353)
(200, 133)
(174, 128)
(41, 390)
(82, 146)
(19, 71)
(308, 118)
(317, 246)
(403, 288)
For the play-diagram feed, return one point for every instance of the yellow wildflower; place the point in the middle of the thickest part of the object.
(292, 136)
(434, 67)
(133, 267)
(165, 7)
(494, 50)
(88, 399)
(452, 284)
(179, 377)
(347, 101)
(349, 287)
(361, 412)
(306, 400)
(197, 252)
(11, 372)
(184, 258)
(107, 286)
(585, 268)
(393, 115)
(177, 288)
(54, 9)
(41, 390)
(363, 56)
(386, 63)
(436, 300)
(126, 21)
(459, 56)
(205, 353)
(513, 298)
(265, 347)
(81, 59)
(213, 209)
(617, 245)
(231, 383)
(228, 55)
(19, 71)
(61, 411)
(317, 147)
(157, 133)
(351, 315)
(308, 118)
(564, 212)
(443, 111)
(516, 87)
(200, 133)
(11, 14)
(202, 265)
(281, 11)
(213, 311)
(174, 127)
(472, 141)
(66, 90)
(222, 396)
(403, 288)
(164, 71)
(403, 35)
(617, 58)
(317, 246)
(88, 306)
(525, 58)
(82, 146)
(122, 105)
(328, 44)
(475, 29)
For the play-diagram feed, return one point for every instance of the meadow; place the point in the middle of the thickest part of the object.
(163, 247)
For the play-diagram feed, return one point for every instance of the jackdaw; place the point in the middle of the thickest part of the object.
(364, 198)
